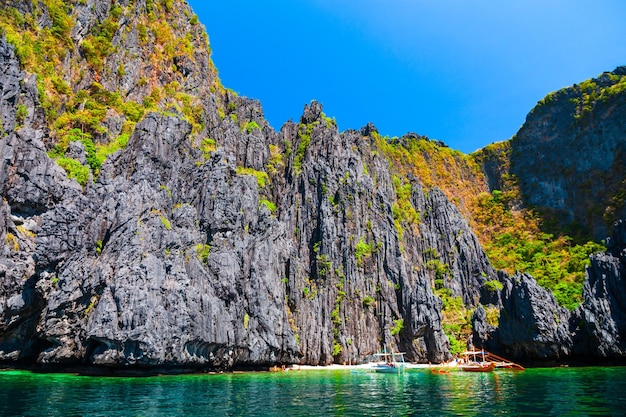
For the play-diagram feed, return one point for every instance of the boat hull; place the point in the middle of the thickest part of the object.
(389, 362)
(480, 367)
(388, 367)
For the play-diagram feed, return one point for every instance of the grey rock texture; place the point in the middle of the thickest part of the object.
(169, 258)
(534, 329)
(531, 326)
(582, 193)
(211, 241)
(600, 322)
(352, 258)
(171, 267)
(11, 78)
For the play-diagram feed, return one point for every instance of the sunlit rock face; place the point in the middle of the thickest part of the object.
(600, 322)
(569, 155)
(198, 237)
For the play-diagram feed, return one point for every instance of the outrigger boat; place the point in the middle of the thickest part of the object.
(502, 363)
(483, 361)
(389, 363)
(476, 361)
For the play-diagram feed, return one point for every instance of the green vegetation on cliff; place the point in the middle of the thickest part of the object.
(518, 238)
(89, 86)
(587, 94)
(511, 234)
(513, 241)
(434, 165)
(569, 157)
(93, 95)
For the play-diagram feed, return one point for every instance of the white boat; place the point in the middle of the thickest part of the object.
(388, 362)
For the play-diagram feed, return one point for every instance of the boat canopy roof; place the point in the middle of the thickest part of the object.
(383, 354)
(474, 352)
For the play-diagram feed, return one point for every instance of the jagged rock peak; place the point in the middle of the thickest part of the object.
(617, 242)
(369, 129)
(620, 70)
(312, 113)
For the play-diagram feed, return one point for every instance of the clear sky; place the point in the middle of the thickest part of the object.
(464, 72)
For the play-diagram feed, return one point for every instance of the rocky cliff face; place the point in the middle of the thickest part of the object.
(358, 262)
(152, 219)
(534, 329)
(583, 194)
(531, 326)
(181, 251)
(168, 259)
(567, 161)
(600, 323)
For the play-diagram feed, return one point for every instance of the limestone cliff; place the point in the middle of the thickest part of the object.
(600, 323)
(179, 250)
(566, 167)
(568, 157)
(534, 329)
(153, 220)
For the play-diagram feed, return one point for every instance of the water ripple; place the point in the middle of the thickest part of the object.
(534, 392)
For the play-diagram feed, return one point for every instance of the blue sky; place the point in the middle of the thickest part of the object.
(464, 72)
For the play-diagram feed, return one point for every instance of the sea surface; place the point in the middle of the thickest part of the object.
(533, 392)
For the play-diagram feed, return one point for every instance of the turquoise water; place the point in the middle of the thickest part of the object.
(534, 392)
